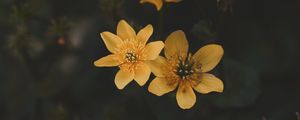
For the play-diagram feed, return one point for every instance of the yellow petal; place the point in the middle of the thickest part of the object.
(158, 66)
(208, 56)
(158, 3)
(107, 61)
(176, 44)
(125, 31)
(145, 34)
(142, 74)
(209, 83)
(153, 49)
(160, 86)
(185, 96)
(174, 1)
(122, 78)
(111, 41)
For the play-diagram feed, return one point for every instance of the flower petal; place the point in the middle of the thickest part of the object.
(142, 74)
(111, 41)
(185, 96)
(153, 49)
(208, 56)
(107, 61)
(122, 78)
(160, 86)
(125, 31)
(158, 3)
(209, 83)
(158, 66)
(176, 44)
(173, 1)
(145, 34)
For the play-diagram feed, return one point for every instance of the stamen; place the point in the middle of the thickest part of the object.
(180, 58)
(131, 56)
(184, 68)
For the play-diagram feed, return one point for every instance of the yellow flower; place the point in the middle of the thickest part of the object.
(185, 71)
(158, 3)
(129, 52)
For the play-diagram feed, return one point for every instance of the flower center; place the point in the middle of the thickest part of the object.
(184, 69)
(131, 57)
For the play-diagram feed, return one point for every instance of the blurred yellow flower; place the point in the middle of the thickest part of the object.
(129, 52)
(185, 71)
(158, 3)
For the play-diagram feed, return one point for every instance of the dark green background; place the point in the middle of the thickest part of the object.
(43, 80)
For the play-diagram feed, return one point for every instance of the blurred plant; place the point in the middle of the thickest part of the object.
(60, 27)
(130, 52)
(38, 56)
(225, 5)
(110, 5)
(111, 9)
(204, 30)
(24, 41)
(242, 85)
(21, 14)
(59, 113)
(21, 42)
(113, 112)
(159, 3)
(179, 69)
(298, 116)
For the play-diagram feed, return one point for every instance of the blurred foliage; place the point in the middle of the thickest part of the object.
(47, 49)
(60, 26)
(21, 14)
(203, 30)
(110, 5)
(241, 85)
(59, 113)
(225, 5)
